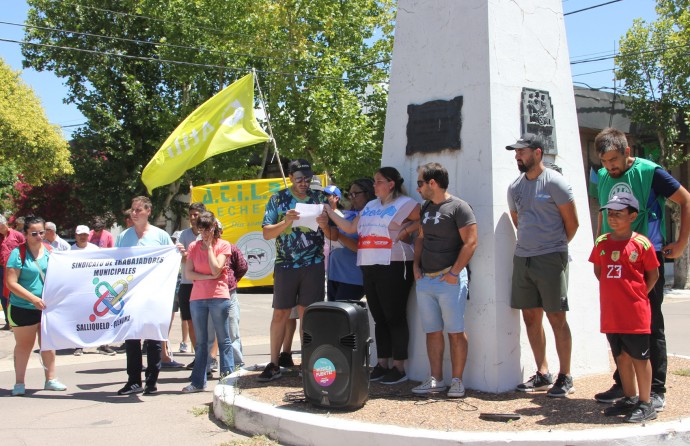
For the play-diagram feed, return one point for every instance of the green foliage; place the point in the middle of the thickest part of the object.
(30, 146)
(315, 61)
(653, 65)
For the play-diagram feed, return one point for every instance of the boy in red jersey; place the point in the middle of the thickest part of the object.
(625, 264)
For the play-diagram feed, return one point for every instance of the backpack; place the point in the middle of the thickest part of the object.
(22, 257)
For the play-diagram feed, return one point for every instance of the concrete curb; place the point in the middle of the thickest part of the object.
(297, 428)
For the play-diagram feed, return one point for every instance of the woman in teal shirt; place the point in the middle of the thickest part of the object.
(25, 272)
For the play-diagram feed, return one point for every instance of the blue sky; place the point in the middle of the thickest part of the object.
(595, 32)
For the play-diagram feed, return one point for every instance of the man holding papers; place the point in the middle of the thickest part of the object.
(299, 273)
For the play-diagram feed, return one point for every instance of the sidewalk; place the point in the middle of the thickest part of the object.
(91, 411)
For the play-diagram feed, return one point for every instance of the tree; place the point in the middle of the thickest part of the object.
(30, 146)
(146, 64)
(653, 64)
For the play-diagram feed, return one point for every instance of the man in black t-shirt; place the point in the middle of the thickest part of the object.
(446, 242)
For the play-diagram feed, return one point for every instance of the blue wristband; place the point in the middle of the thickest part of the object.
(454, 275)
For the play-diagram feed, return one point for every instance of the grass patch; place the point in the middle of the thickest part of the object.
(200, 411)
(257, 440)
(681, 372)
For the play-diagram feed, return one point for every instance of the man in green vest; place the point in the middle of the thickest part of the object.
(651, 185)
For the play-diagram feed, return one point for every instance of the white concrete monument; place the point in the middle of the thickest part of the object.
(488, 52)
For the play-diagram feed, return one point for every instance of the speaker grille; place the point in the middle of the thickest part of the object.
(349, 341)
(306, 338)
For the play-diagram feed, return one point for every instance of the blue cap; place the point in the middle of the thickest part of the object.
(332, 190)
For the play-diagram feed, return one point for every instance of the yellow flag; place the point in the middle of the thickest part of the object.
(223, 123)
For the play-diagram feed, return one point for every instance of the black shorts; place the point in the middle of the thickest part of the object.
(635, 345)
(183, 295)
(298, 286)
(23, 317)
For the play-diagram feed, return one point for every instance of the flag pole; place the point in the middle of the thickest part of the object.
(270, 130)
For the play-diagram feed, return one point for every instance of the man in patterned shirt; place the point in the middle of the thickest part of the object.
(299, 267)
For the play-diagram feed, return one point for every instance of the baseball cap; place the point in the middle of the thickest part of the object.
(527, 140)
(333, 190)
(82, 229)
(621, 201)
(301, 166)
(315, 184)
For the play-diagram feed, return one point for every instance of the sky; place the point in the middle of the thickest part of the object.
(591, 33)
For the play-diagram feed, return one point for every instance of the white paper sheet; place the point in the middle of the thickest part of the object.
(307, 215)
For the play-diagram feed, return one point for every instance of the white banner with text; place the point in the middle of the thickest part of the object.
(108, 295)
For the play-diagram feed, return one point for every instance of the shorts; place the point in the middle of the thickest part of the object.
(441, 305)
(298, 286)
(183, 295)
(540, 282)
(23, 317)
(635, 345)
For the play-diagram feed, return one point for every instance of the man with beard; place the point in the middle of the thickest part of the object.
(651, 185)
(543, 211)
(299, 273)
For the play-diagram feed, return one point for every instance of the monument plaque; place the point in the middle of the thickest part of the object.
(434, 126)
(538, 117)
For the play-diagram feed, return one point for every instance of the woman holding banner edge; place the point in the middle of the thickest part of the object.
(210, 296)
(25, 271)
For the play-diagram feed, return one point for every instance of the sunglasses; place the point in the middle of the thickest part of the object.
(302, 179)
(420, 183)
(35, 233)
(355, 194)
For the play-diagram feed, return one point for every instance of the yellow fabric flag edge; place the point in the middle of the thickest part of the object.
(223, 123)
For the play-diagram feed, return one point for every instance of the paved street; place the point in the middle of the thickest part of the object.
(90, 411)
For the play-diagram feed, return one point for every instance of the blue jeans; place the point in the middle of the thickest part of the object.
(235, 341)
(219, 311)
(441, 305)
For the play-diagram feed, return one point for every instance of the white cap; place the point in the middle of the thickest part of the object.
(82, 229)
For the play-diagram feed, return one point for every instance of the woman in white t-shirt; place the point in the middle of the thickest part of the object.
(385, 254)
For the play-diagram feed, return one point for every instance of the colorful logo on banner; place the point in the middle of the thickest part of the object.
(324, 372)
(110, 297)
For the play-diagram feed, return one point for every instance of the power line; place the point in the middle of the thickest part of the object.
(592, 72)
(156, 44)
(194, 64)
(591, 7)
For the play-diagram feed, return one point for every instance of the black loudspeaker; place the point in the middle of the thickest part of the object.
(335, 354)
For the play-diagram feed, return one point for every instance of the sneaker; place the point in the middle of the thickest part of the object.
(122, 348)
(457, 389)
(214, 365)
(193, 389)
(150, 390)
(285, 360)
(171, 365)
(78, 351)
(183, 347)
(225, 377)
(19, 390)
(394, 376)
(641, 413)
(562, 387)
(623, 406)
(270, 373)
(106, 350)
(54, 384)
(378, 372)
(658, 401)
(611, 395)
(129, 389)
(538, 381)
(190, 366)
(431, 385)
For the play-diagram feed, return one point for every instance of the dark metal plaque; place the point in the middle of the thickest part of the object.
(434, 126)
(538, 117)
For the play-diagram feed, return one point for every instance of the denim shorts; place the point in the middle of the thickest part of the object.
(442, 305)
